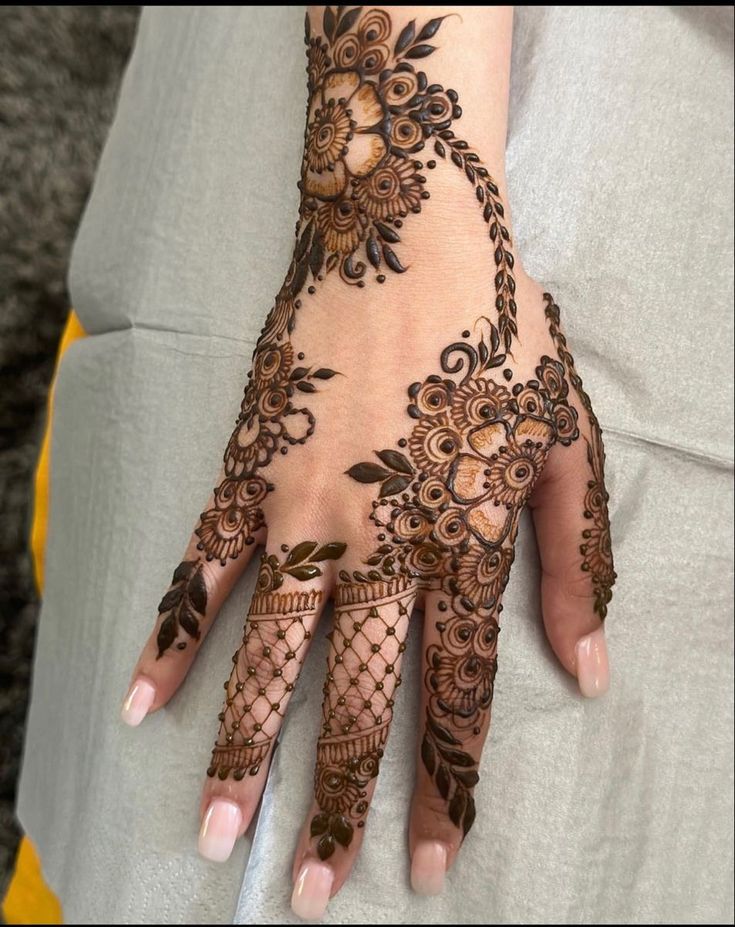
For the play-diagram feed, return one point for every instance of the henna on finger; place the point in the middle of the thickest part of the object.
(596, 548)
(449, 499)
(268, 662)
(366, 649)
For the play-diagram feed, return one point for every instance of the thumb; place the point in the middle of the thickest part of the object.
(570, 516)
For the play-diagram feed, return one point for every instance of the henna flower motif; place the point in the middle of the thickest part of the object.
(495, 481)
(552, 377)
(433, 493)
(565, 421)
(224, 530)
(343, 136)
(341, 224)
(512, 474)
(425, 561)
(483, 574)
(434, 445)
(336, 790)
(430, 397)
(478, 402)
(392, 190)
(272, 363)
(450, 528)
(252, 445)
(461, 674)
(412, 526)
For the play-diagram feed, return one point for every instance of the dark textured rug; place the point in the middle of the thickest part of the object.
(60, 69)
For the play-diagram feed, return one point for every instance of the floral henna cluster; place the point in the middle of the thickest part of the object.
(596, 548)
(370, 112)
(449, 499)
(267, 664)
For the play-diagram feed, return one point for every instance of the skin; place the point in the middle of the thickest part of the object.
(374, 341)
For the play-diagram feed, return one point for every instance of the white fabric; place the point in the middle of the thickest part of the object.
(620, 167)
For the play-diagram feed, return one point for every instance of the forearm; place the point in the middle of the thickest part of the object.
(404, 148)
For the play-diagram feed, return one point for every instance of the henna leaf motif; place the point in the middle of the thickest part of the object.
(186, 603)
(405, 37)
(299, 553)
(368, 473)
(396, 461)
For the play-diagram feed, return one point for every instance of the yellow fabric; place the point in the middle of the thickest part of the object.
(72, 332)
(28, 899)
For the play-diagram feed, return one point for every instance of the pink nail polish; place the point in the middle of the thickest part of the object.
(593, 671)
(428, 868)
(312, 890)
(138, 702)
(220, 830)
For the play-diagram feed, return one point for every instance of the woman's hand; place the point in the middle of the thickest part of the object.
(410, 393)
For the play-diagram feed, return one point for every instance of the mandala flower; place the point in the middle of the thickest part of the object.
(272, 403)
(483, 573)
(334, 790)
(343, 136)
(512, 474)
(411, 525)
(272, 364)
(462, 684)
(375, 26)
(252, 445)
(439, 109)
(341, 224)
(393, 189)
(478, 402)
(406, 134)
(450, 528)
(434, 445)
(565, 420)
(424, 561)
(433, 493)
(495, 482)
(224, 530)
(399, 88)
(553, 380)
(530, 401)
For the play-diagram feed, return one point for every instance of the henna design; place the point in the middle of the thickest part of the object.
(449, 499)
(367, 644)
(596, 548)
(469, 465)
(184, 604)
(267, 664)
(370, 112)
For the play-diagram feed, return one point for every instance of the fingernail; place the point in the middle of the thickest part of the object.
(311, 891)
(593, 671)
(220, 828)
(428, 868)
(138, 702)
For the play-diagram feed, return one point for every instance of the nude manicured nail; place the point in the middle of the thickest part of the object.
(220, 830)
(138, 702)
(428, 868)
(311, 891)
(593, 671)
